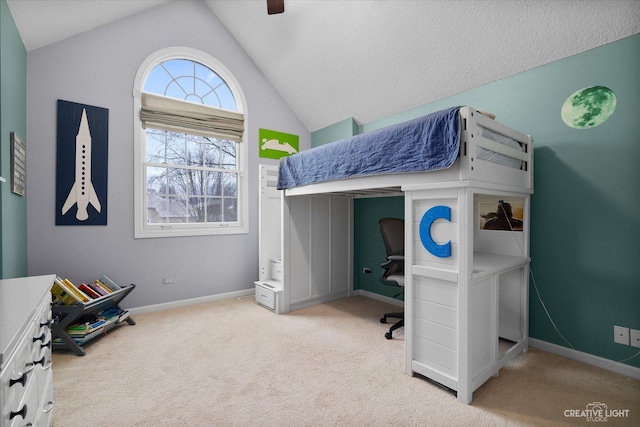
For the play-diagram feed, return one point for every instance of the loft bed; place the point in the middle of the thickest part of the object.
(466, 288)
(455, 144)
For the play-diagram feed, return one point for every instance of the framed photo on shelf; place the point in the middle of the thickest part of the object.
(18, 165)
(506, 215)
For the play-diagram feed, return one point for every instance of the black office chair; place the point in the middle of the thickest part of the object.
(392, 230)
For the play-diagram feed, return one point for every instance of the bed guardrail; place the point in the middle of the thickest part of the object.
(486, 139)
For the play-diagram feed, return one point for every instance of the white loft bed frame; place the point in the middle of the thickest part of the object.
(466, 168)
(466, 315)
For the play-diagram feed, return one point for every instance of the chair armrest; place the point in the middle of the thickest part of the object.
(388, 263)
(392, 266)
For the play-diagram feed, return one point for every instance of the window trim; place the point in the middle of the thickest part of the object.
(143, 230)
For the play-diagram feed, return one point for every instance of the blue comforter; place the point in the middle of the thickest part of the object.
(427, 143)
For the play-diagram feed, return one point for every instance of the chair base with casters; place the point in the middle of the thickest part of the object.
(400, 324)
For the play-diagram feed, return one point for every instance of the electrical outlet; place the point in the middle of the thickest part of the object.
(166, 281)
(621, 335)
(366, 270)
(635, 338)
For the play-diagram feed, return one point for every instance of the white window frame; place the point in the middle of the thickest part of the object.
(141, 228)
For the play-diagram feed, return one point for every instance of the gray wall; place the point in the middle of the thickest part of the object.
(98, 68)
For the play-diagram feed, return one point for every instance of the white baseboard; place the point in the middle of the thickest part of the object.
(379, 297)
(319, 300)
(240, 294)
(191, 301)
(600, 362)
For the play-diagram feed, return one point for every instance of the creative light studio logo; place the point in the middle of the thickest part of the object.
(596, 412)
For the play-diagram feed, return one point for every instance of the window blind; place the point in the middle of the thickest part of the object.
(171, 114)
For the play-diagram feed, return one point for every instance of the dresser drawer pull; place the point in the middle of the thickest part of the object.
(23, 375)
(22, 412)
(48, 407)
(40, 338)
(22, 380)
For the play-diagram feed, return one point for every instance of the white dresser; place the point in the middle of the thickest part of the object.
(26, 387)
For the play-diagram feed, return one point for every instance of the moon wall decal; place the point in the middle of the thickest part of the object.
(588, 107)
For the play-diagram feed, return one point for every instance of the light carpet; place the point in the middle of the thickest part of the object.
(235, 363)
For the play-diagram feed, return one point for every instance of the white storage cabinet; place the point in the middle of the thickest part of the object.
(466, 314)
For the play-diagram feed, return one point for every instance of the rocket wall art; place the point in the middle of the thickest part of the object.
(81, 170)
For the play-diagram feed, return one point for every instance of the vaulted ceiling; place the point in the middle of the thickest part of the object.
(368, 59)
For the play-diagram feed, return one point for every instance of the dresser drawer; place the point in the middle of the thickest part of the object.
(45, 393)
(13, 385)
(276, 270)
(265, 296)
(24, 412)
(17, 373)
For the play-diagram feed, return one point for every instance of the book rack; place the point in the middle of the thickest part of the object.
(66, 315)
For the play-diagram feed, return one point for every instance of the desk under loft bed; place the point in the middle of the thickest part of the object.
(466, 287)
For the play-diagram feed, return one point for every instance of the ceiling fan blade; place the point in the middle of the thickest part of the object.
(275, 6)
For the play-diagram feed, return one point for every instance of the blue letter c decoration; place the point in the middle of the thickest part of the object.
(441, 251)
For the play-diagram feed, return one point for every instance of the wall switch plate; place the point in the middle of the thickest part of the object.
(635, 338)
(621, 335)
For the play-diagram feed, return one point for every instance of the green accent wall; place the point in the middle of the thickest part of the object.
(13, 118)
(585, 222)
(368, 245)
(342, 129)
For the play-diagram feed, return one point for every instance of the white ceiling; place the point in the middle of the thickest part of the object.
(368, 59)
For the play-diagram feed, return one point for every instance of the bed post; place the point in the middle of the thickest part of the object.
(465, 269)
(465, 165)
(409, 222)
(285, 226)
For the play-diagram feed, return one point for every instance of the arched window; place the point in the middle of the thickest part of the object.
(189, 151)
